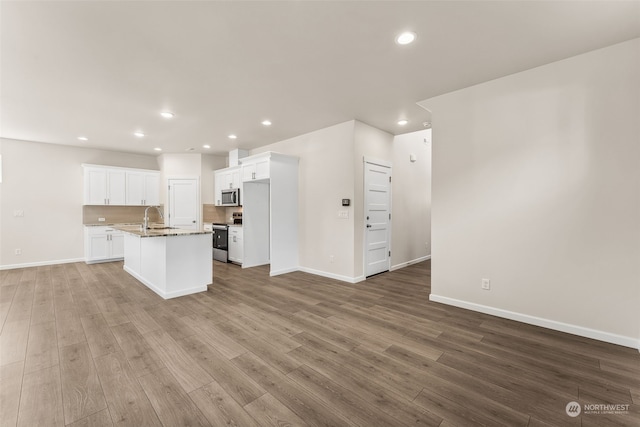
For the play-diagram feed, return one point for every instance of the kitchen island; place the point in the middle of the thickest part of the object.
(169, 261)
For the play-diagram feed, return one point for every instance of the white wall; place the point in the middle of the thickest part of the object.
(210, 163)
(536, 186)
(331, 169)
(46, 182)
(411, 198)
(326, 176)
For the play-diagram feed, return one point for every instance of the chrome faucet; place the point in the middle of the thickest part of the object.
(145, 223)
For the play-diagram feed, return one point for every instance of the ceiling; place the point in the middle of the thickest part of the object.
(104, 70)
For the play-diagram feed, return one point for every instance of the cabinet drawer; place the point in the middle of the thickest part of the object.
(100, 230)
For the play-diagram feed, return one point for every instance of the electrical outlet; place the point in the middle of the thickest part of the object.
(101, 220)
(486, 284)
(18, 213)
(18, 251)
(331, 258)
(343, 214)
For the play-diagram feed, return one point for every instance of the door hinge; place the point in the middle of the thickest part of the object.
(389, 216)
(389, 253)
(389, 178)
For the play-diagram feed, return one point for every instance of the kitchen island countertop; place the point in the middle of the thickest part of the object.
(158, 231)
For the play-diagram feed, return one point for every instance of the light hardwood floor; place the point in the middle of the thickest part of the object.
(87, 345)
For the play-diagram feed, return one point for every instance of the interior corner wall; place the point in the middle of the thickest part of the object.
(326, 176)
(209, 163)
(411, 199)
(45, 181)
(372, 143)
(536, 186)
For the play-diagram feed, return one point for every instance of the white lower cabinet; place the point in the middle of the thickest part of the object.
(102, 243)
(236, 249)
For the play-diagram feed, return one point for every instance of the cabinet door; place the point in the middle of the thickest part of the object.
(98, 247)
(135, 188)
(235, 244)
(117, 245)
(248, 172)
(152, 189)
(262, 169)
(235, 178)
(239, 246)
(116, 184)
(95, 186)
(217, 185)
(257, 169)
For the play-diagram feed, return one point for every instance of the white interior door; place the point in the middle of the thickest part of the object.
(377, 199)
(183, 203)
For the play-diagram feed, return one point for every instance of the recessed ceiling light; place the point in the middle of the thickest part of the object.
(403, 122)
(158, 149)
(139, 134)
(206, 146)
(232, 136)
(266, 122)
(83, 138)
(167, 114)
(406, 37)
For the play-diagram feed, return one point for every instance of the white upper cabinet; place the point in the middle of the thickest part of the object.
(143, 188)
(152, 188)
(103, 186)
(120, 186)
(225, 179)
(255, 168)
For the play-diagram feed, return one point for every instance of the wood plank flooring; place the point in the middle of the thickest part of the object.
(88, 345)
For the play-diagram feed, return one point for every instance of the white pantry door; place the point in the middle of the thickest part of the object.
(183, 203)
(377, 210)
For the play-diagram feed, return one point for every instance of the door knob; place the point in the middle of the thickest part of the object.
(368, 225)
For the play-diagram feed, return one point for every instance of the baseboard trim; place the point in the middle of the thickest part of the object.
(160, 292)
(283, 271)
(539, 321)
(40, 263)
(408, 263)
(332, 275)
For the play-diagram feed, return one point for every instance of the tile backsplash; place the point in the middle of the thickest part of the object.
(135, 214)
(117, 214)
(219, 214)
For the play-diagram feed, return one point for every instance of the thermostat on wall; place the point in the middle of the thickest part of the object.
(346, 202)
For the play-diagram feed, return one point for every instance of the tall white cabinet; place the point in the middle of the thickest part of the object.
(270, 211)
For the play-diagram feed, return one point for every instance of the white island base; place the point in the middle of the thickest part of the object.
(171, 266)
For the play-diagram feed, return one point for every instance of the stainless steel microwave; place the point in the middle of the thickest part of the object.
(231, 197)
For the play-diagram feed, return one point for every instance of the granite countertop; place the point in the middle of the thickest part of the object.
(111, 224)
(157, 231)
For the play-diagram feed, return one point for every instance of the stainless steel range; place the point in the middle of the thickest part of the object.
(220, 242)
